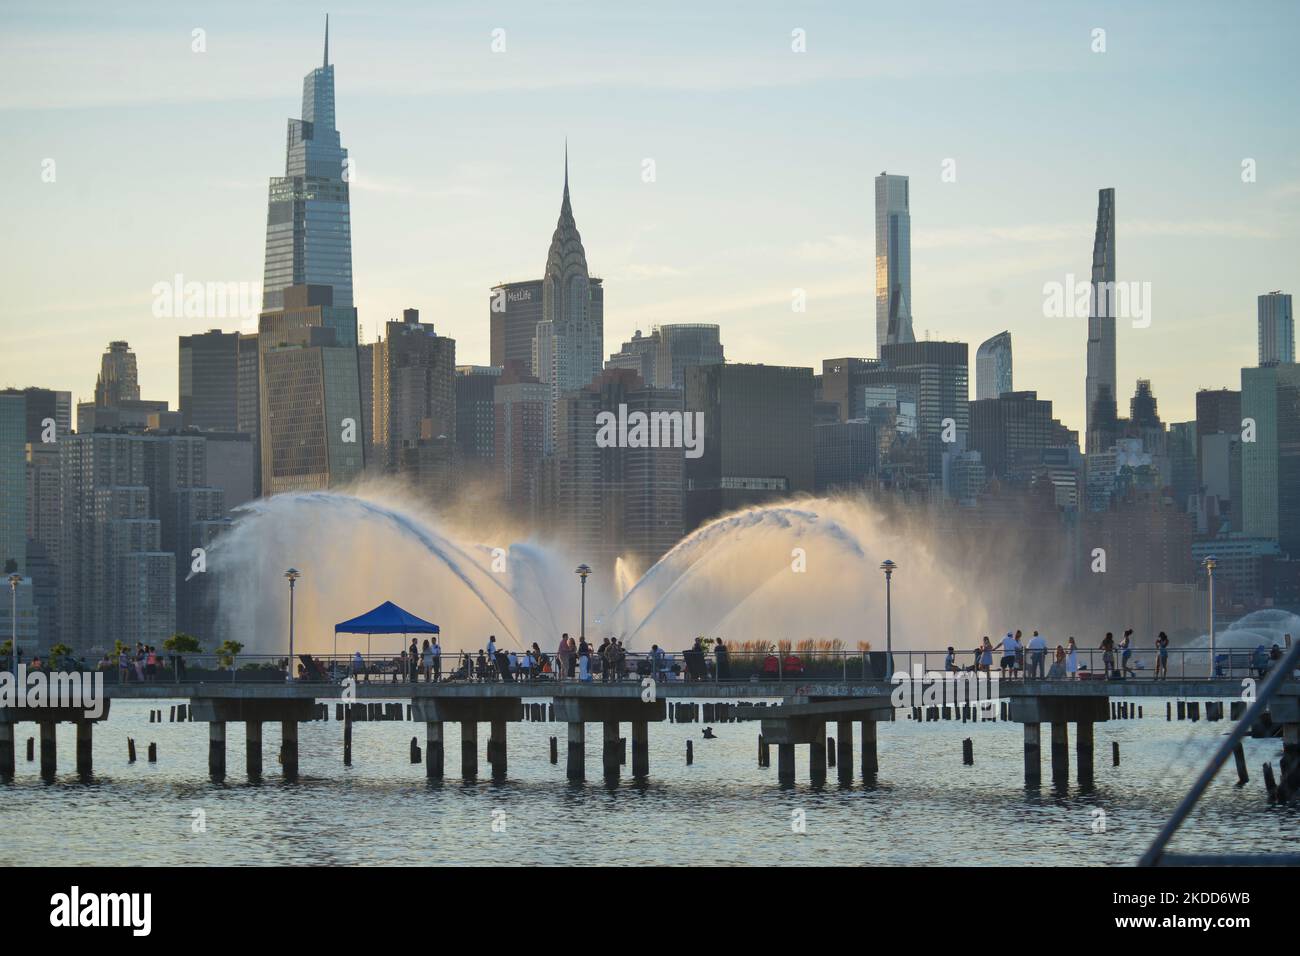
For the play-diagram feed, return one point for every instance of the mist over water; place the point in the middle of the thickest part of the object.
(803, 569)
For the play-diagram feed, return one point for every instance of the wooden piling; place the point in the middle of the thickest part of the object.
(1269, 783)
(85, 748)
(8, 768)
(31, 748)
(609, 749)
(576, 769)
(1060, 752)
(153, 752)
(130, 750)
(1114, 753)
(347, 735)
(555, 751)
(690, 752)
(217, 750)
(289, 748)
(469, 750)
(1033, 754)
(785, 765)
(253, 749)
(415, 750)
(640, 749)
(844, 748)
(434, 743)
(968, 752)
(1239, 755)
(830, 752)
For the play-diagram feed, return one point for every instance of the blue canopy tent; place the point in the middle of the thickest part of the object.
(388, 618)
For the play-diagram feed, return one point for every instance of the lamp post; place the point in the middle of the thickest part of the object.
(14, 580)
(1209, 563)
(889, 567)
(293, 574)
(582, 571)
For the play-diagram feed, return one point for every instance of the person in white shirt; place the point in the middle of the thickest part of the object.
(1010, 646)
(1037, 655)
(436, 653)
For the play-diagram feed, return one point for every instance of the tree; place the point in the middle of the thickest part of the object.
(11, 565)
(57, 653)
(181, 643)
(227, 653)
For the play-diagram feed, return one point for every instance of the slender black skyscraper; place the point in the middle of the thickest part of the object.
(1101, 319)
(308, 223)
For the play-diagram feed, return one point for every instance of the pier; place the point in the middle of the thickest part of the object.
(791, 710)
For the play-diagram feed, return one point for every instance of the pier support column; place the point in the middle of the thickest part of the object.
(870, 765)
(576, 769)
(469, 749)
(1083, 748)
(85, 748)
(217, 750)
(497, 750)
(347, 735)
(1291, 759)
(289, 748)
(1033, 754)
(433, 750)
(8, 732)
(640, 748)
(1060, 752)
(844, 750)
(610, 751)
(785, 765)
(253, 749)
(817, 755)
(49, 750)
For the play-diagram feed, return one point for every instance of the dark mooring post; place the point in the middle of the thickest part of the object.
(85, 748)
(1060, 751)
(785, 765)
(1033, 754)
(817, 756)
(576, 769)
(217, 750)
(640, 748)
(433, 751)
(610, 751)
(469, 750)
(253, 749)
(555, 752)
(289, 748)
(870, 767)
(1083, 750)
(844, 750)
(497, 750)
(1239, 755)
(48, 751)
(347, 735)
(1114, 753)
(7, 734)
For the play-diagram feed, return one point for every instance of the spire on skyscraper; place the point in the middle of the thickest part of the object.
(327, 41)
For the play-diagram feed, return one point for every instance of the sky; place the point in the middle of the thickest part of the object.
(763, 159)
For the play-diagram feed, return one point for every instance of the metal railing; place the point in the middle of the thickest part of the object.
(784, 664)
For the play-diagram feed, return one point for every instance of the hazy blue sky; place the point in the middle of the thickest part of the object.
(764, 160)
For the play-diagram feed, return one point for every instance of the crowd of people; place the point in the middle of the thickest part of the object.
(1028, 658)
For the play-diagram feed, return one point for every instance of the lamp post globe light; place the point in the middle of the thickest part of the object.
(1210, 562)
(14, 580)
(293, 574)
(582, 571)
(889, 567)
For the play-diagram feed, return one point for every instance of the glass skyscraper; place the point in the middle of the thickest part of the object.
(893, 262)
(308, 224)
(993, 367)
(1276, 329)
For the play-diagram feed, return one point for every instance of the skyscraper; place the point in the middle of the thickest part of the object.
(1270, 465)
(209, 381)
(13, 481)
(758, 437)
(414, 387)
(682, 345)
(893, 261)
(993, 367)
(514, 309)
(1276, 329)
(308, 223)
(1101, 385)
(640, 353)
(943, 393)
(312, 433)
(118, 380)
(569, 344)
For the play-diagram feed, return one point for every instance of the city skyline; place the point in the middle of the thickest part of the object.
(711, 238)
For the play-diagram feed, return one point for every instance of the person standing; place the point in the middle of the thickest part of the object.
(436, 648)
(1162, 656)
(722, 661)
(1108, 654)
(1071, 659)
(426, 660)
(562, 658)
(584, 662)
(1037, 655)
(1126, 651)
